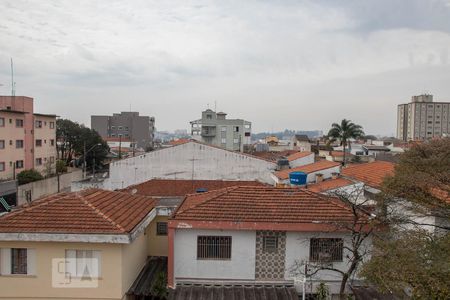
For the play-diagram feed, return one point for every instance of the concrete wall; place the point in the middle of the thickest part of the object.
(39, 286)
(47, 186)
(302, 161)
(157, 244)
(188, 161)
(46, 152)
(241, 266)
(297, 253)
(134, 256)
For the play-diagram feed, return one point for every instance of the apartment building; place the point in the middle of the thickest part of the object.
(423, 119)
(215, 129)
(130, 125)
(27, 139)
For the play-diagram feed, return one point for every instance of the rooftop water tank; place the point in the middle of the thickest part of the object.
(297, 178)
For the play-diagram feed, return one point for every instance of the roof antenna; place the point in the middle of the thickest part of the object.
(13, 84)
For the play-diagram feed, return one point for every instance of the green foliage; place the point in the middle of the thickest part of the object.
(61, 166)
(417, 260)
(160, 287)
(322, 292)
(27, 176)
(343, 132)
(423, 176)
(72, 138)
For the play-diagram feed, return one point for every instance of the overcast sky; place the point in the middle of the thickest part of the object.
(279, 64)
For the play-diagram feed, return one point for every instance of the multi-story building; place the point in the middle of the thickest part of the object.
(139, 129)
(27, 139)
(215, 129)
(423, 119)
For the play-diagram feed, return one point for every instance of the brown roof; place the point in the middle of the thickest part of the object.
(91, 211)
(330, 184)
(180, 188)
(310, 168)
(262, 204)
(298, 155)
(372, 174)
(274, 155)
(179, 142)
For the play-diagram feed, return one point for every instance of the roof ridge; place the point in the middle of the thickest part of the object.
(81, 197)
(219, 192)
(29, 206)
(330, 199)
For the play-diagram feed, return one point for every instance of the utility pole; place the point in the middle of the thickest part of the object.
(84, 159)
(120, 147)
(13, 84)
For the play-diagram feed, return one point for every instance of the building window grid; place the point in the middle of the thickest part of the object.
(214, 247)
(270, 243)
(326, 249)
(18, 261)
(161, 228)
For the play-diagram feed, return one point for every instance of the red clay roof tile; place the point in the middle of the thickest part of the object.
(91, 211)
(298, 155)
(331, 184)
(372, 174)
(263, 204)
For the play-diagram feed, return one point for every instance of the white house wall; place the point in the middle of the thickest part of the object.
(188, 161)
(302, 161)
(297, 253)
(240, 267)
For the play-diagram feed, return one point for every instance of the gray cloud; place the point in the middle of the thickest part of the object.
(297, 64)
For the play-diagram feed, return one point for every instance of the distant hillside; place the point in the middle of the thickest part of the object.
(288, 134)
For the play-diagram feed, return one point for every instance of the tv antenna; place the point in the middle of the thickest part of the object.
(13, 84)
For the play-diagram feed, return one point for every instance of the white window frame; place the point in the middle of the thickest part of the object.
(6, 262)
(79, 259)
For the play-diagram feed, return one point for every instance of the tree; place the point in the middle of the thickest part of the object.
(343, 132)
(361, 228)
(73, 138)
(422, 176)
(61, 167)
(27, 176)
(416, 265)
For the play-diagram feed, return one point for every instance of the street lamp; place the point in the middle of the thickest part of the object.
(84, 156)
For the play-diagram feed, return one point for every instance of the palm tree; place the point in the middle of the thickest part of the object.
(343, 132)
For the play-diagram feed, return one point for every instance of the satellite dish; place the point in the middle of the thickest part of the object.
(133, 191)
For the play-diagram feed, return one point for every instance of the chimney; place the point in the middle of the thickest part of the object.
(334, 175)
(319, 177)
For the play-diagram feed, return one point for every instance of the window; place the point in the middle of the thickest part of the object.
(83, 263)
(38, 161)
(19, 123)
(52, 125)
(223, 128)
(161, 228)
(270, 243)
(326, 249)
(2, 122)
(236, 141)
(19, 143)
(18, 261)
(214, 247)
(38, 124)
(224, 141)
(247, 126)
(236, 128)
(52, 159)
(209, 117)
(247, 134)
(2, 166)
(38, 143)
(2, 144)
(19, 164)
(52, 142)
(120, 127)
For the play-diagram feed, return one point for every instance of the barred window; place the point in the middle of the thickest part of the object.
(161, 228)
(214, 247)
(326, 249)
(18, 261)
(270, 243)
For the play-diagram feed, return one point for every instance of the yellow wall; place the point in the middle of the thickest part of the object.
(134, 256)
(40, 285)
(158, 244)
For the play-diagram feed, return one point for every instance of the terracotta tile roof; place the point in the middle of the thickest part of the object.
(372, 174)
(274, 155)
(179, 142)
(330, 184)
(314, 167)
(340, 154)
(298, 155)
(180, 188)
(91, 211)
(263, 204)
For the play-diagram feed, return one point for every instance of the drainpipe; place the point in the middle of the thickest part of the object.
(304, 288)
